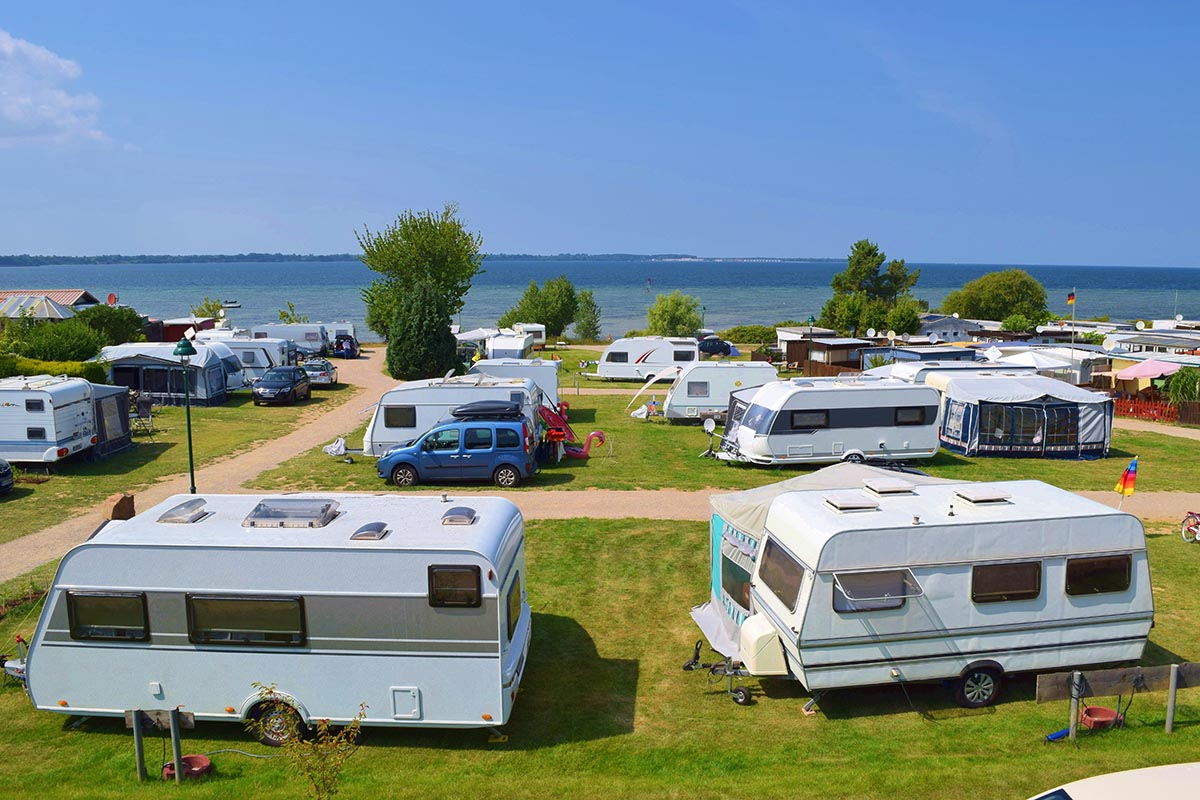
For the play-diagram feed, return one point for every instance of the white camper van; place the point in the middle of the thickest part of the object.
(542, 372)
(702, 388)
(45, 418)
(534, 329)
(414, 606)
(311, 338)
(639, 357)
(413, 407)
(824, 420)
(895, 582)
(256, 355)
(510, 345)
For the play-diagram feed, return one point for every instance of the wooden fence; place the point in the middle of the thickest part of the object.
(1146, 409)
(1189, 413)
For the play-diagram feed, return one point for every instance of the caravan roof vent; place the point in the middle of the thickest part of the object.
(888, 486)
(802, 383)
(983, 494)
(847, 502)
(291, 513)
(459, 515)
(186, 512)
(372, 531)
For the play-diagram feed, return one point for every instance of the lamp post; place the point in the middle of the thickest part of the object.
(184, 351)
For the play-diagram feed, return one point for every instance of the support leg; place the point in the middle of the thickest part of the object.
(810, 707)
(139, 753)
(496, 736)
(176, 745)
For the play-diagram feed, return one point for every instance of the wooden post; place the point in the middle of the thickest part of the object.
(176, 745)
(1171, 698)
(1076, 693)
(139, 752)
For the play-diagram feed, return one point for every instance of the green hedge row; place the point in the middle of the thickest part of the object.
(15, 365)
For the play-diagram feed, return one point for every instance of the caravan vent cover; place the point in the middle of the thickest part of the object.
(291, 513)
(982, 494)
(886, 486)
(459, 515)
(372, 531)
(186, 512)
(851, 501)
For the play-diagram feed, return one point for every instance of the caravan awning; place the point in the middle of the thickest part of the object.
(1017, 389)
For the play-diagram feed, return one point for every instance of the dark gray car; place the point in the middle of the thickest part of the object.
(282, 385)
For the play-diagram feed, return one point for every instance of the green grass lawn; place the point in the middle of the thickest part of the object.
(76, 485)
(605, 710)
(656, 454)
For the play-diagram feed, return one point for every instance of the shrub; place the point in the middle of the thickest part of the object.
(94, 371)
(674, 314)
(69, 340)
(749, 334)
(118, 324)
(420, 344)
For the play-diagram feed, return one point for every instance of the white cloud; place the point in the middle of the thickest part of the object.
(34, 106)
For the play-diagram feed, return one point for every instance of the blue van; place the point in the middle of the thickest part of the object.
(499, 450)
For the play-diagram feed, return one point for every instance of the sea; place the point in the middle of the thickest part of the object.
(731, 292)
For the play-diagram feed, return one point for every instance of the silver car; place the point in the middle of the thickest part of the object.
(321, 372)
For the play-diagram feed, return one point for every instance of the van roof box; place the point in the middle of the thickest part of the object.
(487, 409)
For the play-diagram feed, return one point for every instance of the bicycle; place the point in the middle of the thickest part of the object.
(1190, 528)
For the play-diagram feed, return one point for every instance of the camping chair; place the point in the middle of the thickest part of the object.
(143, 417)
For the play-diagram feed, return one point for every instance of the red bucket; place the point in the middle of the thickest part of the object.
(194, 766)
(1098, 718)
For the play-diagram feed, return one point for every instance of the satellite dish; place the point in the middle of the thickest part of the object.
(221, 313)
(870, 333)
(1141, 326)
(709, 425)
(1179, 317)
(891, 335)
(955, 315)
(933, 338)
(904, 337)
(112, 299)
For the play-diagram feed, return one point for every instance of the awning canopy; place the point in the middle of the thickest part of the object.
(1032, 358)
(1150, 368)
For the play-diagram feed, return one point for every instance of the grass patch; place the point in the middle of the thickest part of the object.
(606, 711)
(74, 486)
(656, 454)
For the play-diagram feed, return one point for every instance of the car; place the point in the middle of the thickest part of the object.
(282, 385)
(497, 450)
(6, 477)
(712, 346)
(345, 346)
(321, 372)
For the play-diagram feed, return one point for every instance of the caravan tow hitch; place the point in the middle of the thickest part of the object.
(722, 669)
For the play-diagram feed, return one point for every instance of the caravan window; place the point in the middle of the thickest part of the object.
(873, 591)
(108, 616)
(1062, 426)
(514, 605)
(35, 405)
(617, 358)
(735, 581)
(37, 434)
(247, 356)
(781, 573)
(1001, 583)
(807, 420)
(1098, 575)
(911, 415)
(399, 416)
(684, 355)
(455, 587)
(1028, 426)
(758, 418)
(312, 336)
(274, 621)
(697, 389)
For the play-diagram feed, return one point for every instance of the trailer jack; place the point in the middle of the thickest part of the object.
(722, 669)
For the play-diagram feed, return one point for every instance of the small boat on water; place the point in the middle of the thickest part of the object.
(230, 304)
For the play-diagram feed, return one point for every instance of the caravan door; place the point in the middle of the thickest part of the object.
(441, 456)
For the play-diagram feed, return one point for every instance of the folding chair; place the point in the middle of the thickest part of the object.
(143, 416)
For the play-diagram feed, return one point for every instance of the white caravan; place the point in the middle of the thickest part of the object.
(896, 582)
(415, 606)
(542, 372)
(45, 418)
(919, 371)
(510, 345)
(413, 407)
(311, 338)
(235, 376)
(702, 388)
(824, 420)
(639, 357)
(256, 355)
(534, 329)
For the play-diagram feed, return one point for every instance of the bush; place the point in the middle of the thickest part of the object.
(749, 334)
(69, 340)
(674, 314)
(93, 371)
(118, 324)
(420, 344)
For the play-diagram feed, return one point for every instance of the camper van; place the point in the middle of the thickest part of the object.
(256, 355)
(895, 582)
(510, 345)
(824, 420)
(45, 418)
(412, 408)
(542, 372)
(311, 338)
(639, 357)
(702, 388)
(413, 606)
(534, 329)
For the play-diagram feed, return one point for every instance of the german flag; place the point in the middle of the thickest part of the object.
(1070, 298)
(1128, 479)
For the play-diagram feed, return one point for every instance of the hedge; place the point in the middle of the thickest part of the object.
(15, 365)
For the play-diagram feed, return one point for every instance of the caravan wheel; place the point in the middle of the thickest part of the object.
(853, 458)
(978, 687)
(275, 723)
(741, 695)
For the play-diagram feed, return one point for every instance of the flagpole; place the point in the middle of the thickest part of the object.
(1073, 302)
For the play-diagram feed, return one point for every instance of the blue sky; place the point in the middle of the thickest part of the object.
(997, 133)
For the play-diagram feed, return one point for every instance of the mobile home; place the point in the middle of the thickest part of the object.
(415, 606)
(152, 368)
(894, 583)
(510, 345)
(824, 420)
(702, 388)
(45, 418)
(639, 357)
(413, 407)
(542, 372)
(256, 355)
(919, 371)
(311, 338)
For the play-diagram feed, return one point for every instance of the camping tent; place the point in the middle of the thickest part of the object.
(153, 368)
(735, 529)
(1027, 416)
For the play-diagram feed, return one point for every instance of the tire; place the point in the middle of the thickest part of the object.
(291, 401)
(741, 696)
(853, 458)
(276, 723)
(978, 687)
(404, 475)
(506, 476)
(1190, 526)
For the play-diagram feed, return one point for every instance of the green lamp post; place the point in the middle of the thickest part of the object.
(184, 351)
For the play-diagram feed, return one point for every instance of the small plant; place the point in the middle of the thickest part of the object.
(289, 316)
(316, 754)
(208, 307)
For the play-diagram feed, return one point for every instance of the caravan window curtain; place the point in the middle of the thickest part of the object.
(275, 621)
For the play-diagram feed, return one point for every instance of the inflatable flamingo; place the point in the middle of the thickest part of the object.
(575, 451)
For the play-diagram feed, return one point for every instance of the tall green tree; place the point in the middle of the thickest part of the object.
(674, 314)
(289, 316)
(208, 307)
(867, 292)
(554, 305)
(429, 246)
(117, 324)
(420, 344)
(998, 296)
(587, 317)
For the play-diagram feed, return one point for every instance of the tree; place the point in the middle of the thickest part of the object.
(863, 295)
(1017, 322)
(674, 314)
(208, 307)
(69, 340)
(1184, 386)
(289, 316)
(904, 316)
(117, 324)
(587, 317)
(553, 305)
(420, 344)
(998, 296)
(419, 246)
